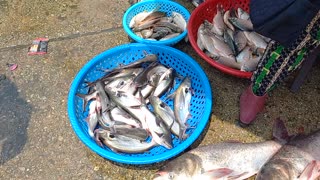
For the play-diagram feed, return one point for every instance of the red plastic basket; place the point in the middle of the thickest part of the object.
(206, 11)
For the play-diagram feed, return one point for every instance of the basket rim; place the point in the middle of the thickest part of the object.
(75, 123)
(192, 39)
(171, 41)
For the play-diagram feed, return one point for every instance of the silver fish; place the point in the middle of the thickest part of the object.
(147, 90)
(242, 24)
(104, 118)
(221, 160)
(208, 43)
(218, 22)
(159, 34)
(146, 33)
(152, 16)
(172, 26)
(103, 98)
(227, 61)
(158, 130)
(164, 83)
(169, 36)
(134, 133)
(164, 112)
(120, 83)
(155, 74)
(160, 28)
(242, 14)
(255, 39)
(92, 120)
(119, 143)
(182, 99)
(250, 65)
(240, 40)
(120, 73)
(138, 18)
(148, 58)
(228, 38)
(142, 78)
(207, 26)
(221, 46)
(199, 42)
(123, 99)
(214, 45)
(166, 19)
(298, 159)
(119, 115)
(145, 25)
(179, 20)
(226, 17)
(244, 55)
(225, 160)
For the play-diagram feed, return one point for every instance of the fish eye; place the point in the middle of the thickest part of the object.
(111, 136)
(161, 105)
(186, 90)
(170, 175)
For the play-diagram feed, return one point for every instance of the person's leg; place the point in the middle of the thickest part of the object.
(280, 62)
(277, 63)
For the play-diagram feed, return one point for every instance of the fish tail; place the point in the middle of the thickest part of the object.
(280, 131)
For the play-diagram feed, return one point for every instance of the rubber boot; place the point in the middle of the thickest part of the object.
(250, 106)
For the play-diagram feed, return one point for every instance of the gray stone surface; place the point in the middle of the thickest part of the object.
(36, 138)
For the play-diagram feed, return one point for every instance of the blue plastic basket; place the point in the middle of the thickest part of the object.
(164, 6)
(183, 64)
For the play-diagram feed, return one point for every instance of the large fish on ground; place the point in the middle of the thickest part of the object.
(226, 160)
(298, 159)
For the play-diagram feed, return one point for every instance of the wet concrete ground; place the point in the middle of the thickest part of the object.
(36, 138)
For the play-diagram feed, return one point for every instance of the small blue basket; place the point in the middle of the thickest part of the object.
(183, 64)
(164, 6)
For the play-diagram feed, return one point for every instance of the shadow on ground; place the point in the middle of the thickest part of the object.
(15, 115)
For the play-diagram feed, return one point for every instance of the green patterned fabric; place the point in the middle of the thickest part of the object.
(279, 62)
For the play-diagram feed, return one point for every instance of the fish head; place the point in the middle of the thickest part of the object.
(279, 169)
(186, 84)
(183, 167)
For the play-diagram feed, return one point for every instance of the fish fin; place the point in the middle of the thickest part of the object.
(97, 137)
(85, 101)
(179, 76)
(243, 175)
(170, 96)
(218, 173)
(88, 84)
(311, 172)
(182, 132)
(189, 115)
(280, 131)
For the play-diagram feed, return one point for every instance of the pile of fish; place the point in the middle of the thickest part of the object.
(230, 40)
(126, 111)
(286, 157)
(156, 25)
